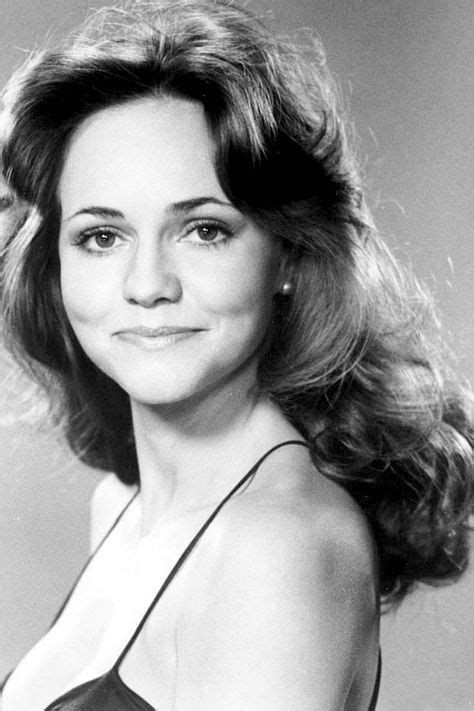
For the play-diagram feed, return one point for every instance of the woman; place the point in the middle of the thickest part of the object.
(199, 286)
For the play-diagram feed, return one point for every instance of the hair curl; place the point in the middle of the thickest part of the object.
(347, 360)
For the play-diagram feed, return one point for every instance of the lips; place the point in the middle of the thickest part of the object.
(148, 332)
(153, 339)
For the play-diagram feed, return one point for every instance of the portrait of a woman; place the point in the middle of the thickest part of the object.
(197, 283)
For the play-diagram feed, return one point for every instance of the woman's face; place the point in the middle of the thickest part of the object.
(167, 286)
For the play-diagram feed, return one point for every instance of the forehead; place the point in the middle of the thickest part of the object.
(158, 147)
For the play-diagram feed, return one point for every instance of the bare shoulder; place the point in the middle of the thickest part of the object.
(305, 517)
(108, 500)
(314, 528)
(292, 593)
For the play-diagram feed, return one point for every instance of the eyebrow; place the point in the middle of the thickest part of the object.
(174, 208)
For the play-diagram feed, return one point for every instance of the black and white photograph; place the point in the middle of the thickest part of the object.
(236, 355)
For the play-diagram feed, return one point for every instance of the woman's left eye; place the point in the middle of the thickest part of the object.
(208, 233)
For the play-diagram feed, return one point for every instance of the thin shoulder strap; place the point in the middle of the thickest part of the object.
(91, 557)
(375, 693)
(194, 541)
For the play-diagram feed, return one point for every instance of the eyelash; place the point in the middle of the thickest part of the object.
(227, 233)
(84, 237)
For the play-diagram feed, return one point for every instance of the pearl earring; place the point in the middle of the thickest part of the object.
(287, 288)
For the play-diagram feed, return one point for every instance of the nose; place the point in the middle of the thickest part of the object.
(151, 277)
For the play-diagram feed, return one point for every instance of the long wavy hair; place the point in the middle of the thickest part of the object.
(347, 357)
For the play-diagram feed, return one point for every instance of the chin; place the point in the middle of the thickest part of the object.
(184, 388)
(156, 391)
(163, 398)
(165, 379)
(166, 386)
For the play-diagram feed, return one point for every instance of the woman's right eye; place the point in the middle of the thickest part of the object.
(98, 240)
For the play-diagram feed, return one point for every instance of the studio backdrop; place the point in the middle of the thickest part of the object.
(406, 71)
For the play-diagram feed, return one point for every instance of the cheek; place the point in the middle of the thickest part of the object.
(87, 296)
(240, 291)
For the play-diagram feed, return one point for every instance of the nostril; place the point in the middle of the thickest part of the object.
(150, 286)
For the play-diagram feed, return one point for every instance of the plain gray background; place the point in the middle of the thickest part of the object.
(406, 70)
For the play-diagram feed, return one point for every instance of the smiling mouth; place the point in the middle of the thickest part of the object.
(156, 338)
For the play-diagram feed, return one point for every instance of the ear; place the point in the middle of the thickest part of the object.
(285, 281)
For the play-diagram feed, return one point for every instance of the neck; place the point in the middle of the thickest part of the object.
(191, 454)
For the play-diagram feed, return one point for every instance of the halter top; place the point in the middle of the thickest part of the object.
(108, 692)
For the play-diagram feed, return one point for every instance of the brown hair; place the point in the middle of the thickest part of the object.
(348, 360)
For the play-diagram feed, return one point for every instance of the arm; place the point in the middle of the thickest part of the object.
(287, 619)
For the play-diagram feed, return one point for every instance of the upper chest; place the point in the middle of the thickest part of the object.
(120, 584)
